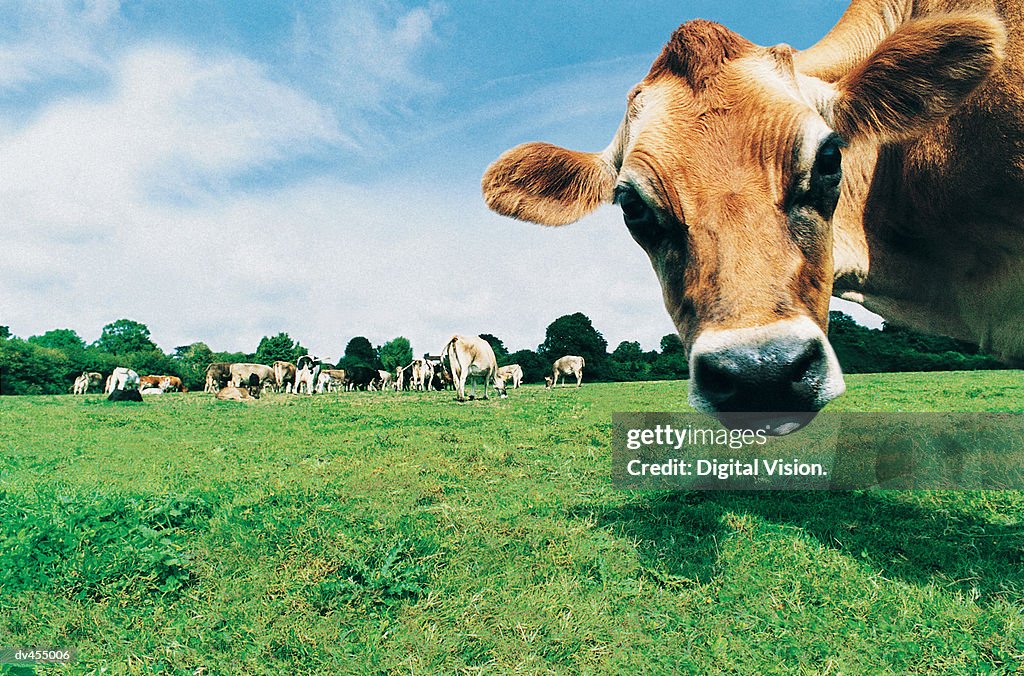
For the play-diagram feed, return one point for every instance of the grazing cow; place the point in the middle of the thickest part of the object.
(359, 377)
(95, 380)
(383, 379)
(240, 373)
(284, 375)
(513, 371)
(336, 379)
(569, 365)
(472, 357)
(122, 379)
(81, 384)
(422, 372)
(218, 375)
(307, 371)
(403, 377)
(882, 164)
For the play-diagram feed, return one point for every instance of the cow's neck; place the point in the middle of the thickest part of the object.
(928, 239)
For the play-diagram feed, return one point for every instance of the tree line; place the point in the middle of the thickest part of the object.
(49, 363)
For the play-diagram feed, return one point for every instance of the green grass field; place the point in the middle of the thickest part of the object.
(376, 532)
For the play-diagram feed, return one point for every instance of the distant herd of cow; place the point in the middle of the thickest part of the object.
(465, 359)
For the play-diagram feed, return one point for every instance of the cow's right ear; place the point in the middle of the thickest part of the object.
(918, 75)
(547, 184)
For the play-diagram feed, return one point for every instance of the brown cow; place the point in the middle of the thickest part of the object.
(218, 375)
(284, 374)
(883, 163)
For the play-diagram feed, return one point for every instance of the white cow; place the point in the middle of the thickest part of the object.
(307, 372)
(566, 366)
(122, 379)
(513, 371)
(472, 357)
(240, 374)
(81, 384)
(422, 373)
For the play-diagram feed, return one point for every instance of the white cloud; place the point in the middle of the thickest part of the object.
(44, 39)
(172, 125)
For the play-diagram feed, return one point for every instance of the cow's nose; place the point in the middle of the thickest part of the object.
(786, 375)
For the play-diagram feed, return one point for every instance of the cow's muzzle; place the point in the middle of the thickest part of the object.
(774, 377)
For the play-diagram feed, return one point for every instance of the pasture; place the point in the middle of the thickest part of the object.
(374, 532)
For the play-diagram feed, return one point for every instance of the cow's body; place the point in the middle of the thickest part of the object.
(472, 357)
(122, 379)
(95, 380)
(331, 380)
(232, 393)
(569, 365)
(513, 372)
(359, 377)
(422, 372)
(885, 163)
(240, 374)
(218, 375)
(152, 383)
(173, 384)
(307, 372)
(284, 375)
(81, 384)
(383, 379)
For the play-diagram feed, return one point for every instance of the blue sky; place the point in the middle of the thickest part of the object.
(226, 170)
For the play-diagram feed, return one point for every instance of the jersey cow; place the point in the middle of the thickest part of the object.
(883, 164)
(569, 365)
(472, 357)
(513, 372)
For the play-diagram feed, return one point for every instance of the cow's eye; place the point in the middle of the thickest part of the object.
(639, 217)
(829, 161)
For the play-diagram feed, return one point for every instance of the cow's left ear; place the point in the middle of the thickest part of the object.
(547, 184)
(917, 76)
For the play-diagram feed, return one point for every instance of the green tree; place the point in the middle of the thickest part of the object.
(534, 366)
(5, 332)
(396, 352)
(500, 351)
(575, 334)
(671, 344)
(628, 362)
(191, 362)
(65, 340)
(30, 369)
(125, 336)
(278, 348)
(359, 352)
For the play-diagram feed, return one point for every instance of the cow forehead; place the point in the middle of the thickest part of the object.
(751, 122)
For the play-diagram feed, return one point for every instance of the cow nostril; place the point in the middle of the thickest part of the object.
(806, 362)
(717, 382)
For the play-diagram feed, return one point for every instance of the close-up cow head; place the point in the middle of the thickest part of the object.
(733, 166)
